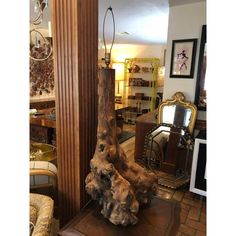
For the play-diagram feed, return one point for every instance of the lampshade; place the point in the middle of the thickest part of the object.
(161, 76)
(119, 67)
(161, 71)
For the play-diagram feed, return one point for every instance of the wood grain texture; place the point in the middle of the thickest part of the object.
(119, 185)
(75, 40)
(161, 218)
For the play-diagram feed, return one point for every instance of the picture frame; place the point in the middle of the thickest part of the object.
(201, 92)
(198, 172)
(183, 58)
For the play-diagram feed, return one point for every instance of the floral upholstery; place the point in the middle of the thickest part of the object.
(41, 214)
(33, 214)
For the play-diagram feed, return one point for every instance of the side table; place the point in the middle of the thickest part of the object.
(161, 218)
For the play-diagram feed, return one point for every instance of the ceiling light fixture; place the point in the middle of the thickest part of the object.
(39, 6)
(40, 46)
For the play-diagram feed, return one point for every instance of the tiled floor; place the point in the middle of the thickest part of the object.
(193, 206)
(193, 210)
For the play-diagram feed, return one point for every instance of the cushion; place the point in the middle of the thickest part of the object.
(33, 219)
(43, 205)
(33, 214)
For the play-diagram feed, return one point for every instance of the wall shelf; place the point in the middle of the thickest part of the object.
(140, 86)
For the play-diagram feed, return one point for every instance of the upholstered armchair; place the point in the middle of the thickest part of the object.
(41, 213)
(43, 175)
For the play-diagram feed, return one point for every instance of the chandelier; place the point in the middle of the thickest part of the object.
(40, 46)
(39, 6)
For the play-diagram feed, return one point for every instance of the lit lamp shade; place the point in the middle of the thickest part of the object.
(161, 76)
(119, 67)
(119, 77)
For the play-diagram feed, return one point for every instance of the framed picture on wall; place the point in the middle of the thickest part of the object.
(198, 172)
(183, 58)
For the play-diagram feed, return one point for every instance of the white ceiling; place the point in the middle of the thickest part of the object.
(145, 21)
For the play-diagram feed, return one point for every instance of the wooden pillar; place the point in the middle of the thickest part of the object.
(75, 48)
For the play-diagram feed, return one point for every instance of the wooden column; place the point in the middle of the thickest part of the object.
(75, 41)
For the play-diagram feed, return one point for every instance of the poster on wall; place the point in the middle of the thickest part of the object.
(183, 58)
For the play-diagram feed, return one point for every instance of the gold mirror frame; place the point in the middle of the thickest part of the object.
(179, 98)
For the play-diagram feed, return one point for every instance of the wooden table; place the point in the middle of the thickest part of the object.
(161, 218)
(120, 107)
(43, 120)
(42, 129)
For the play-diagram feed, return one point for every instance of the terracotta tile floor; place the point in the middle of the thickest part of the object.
(193, 206)
(193, 210)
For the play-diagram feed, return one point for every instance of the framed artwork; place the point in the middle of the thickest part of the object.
(183, 58)
(198, 172)
(201, 91)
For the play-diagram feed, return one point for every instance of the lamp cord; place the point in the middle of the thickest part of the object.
(108, 54)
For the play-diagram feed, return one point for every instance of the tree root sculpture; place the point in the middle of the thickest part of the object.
(119, 185)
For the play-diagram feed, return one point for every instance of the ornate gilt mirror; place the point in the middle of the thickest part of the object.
(177, 112)
(201, 93)
(167, 146)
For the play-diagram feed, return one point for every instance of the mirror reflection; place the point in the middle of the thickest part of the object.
(167, 146)
(176, 115)
(177, 112)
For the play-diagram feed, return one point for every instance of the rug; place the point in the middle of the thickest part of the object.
(125, 135)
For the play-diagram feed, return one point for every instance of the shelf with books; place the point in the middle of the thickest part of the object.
(140, 84)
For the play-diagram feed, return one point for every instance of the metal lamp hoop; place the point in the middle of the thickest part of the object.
(108, 54)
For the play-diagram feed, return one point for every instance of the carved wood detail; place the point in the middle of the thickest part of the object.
(75, 40)
(119, 184)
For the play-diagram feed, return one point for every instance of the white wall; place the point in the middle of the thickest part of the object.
(122, 51)
(185, 22)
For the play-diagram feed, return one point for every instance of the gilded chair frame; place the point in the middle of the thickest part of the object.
(35, 172)
(179, 98)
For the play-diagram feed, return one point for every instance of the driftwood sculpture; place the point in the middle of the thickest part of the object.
(119, 185)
